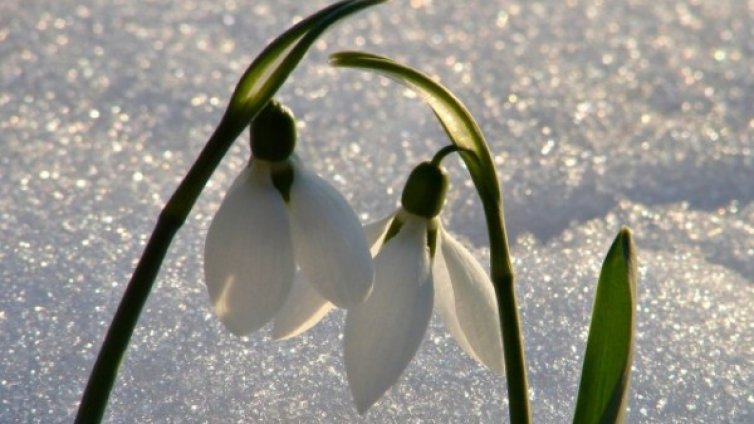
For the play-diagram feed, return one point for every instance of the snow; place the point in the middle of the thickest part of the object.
(599, 114)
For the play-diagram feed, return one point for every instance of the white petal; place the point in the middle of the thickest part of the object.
(383, 333)
(303, 308)
(328, 240)
(475, 305)
(375, 232)
(248, 256)
(445, 301)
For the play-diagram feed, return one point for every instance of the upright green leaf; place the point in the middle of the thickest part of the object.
(603, 393)
(464, 132)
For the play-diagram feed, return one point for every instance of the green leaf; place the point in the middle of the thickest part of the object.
(270, 69)
(603, 393)
(455, 119)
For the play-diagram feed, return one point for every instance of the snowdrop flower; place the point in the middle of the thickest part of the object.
(418, 266)
(277, 216)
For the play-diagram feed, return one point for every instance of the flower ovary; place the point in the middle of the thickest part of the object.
(425, 190)
(273, 133)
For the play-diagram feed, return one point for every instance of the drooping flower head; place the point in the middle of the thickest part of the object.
(278, 217)
(418, 267)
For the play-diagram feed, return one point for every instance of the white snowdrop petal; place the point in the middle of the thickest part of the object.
(303, 308)
(475, 304)
(375, 233)
(330, 245)
(248, 256)
(445, 301)
(383, 333)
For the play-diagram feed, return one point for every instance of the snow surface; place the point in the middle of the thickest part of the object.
(599, 114)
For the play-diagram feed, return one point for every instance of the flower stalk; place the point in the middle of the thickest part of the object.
(465, 133)
(259, 83)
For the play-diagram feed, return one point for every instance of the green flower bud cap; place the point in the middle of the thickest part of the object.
(424, 193)
(273, 133)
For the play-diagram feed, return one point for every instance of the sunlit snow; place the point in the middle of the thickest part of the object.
(599, 114)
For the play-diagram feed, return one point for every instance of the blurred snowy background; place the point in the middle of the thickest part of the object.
(599, 114)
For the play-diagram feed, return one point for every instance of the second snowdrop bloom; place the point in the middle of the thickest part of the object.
(418, 267)
(275, 218)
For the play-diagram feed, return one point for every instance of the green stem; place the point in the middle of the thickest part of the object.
(513, 345)
(515, 358)
(257, 86)
(501, 272)
(445, 151)
(172, 217)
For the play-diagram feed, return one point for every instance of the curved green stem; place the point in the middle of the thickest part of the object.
(464, 132)
(444, 152)
(501, 273)
(259, 83)
(502, 277)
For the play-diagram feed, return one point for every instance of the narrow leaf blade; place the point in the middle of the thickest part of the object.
(603, 393)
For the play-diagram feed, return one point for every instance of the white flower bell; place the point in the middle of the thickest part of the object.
(275, 216)
(418, 265)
